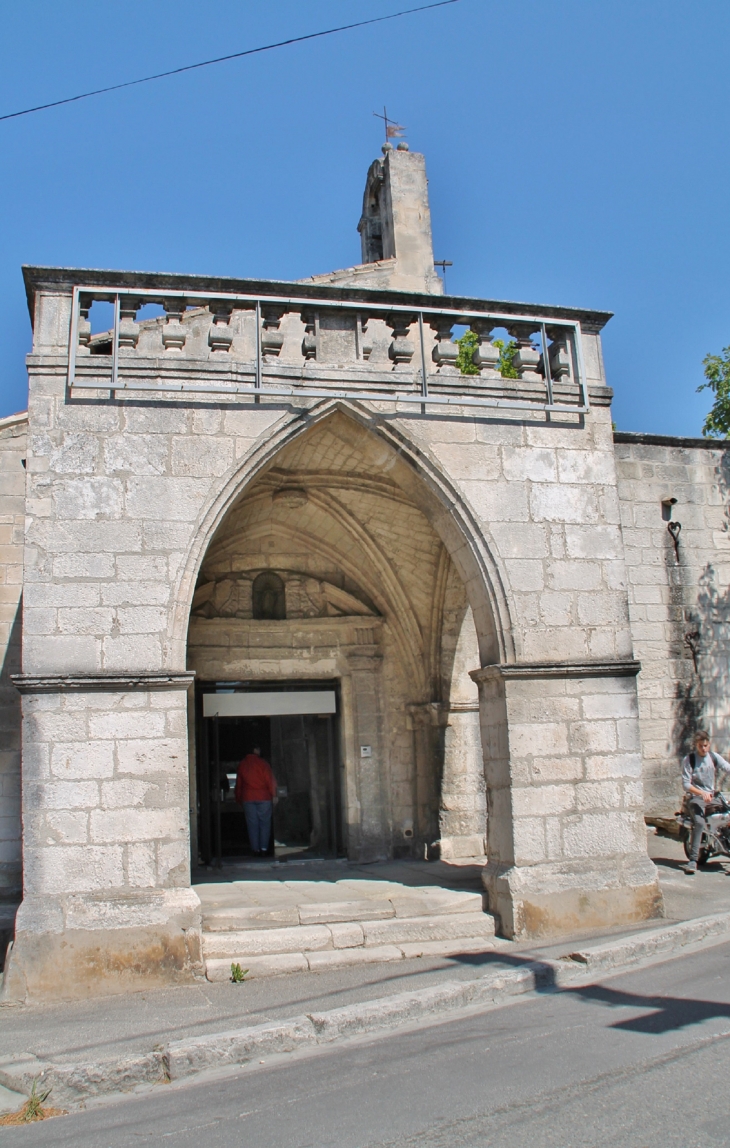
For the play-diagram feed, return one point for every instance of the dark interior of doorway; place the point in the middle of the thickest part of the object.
(302, 751)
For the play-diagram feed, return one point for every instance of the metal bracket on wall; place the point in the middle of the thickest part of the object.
(674, 529)
(692, 642)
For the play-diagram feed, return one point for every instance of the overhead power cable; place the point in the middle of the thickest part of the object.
(232, 56)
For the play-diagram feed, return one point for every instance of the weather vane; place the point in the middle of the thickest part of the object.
(392, 129)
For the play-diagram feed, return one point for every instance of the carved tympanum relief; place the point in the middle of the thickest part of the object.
(237, 596)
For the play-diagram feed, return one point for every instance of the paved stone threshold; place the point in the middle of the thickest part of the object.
(334, 915)
(74, 1085)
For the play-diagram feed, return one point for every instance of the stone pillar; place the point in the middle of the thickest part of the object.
(107, 903)
(424, 721)
(462, 807)
(367, 719)
(566, 840)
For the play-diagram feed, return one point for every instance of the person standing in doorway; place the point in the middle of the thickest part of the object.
(256, 792)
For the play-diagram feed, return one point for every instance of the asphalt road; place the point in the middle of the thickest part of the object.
(640, 1060)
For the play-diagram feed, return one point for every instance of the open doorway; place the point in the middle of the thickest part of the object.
(301, 746)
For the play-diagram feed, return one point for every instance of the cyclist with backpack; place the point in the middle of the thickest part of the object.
(700, 770)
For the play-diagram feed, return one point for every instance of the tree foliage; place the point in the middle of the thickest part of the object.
(469, 342)
(717, 373)
(507, 352)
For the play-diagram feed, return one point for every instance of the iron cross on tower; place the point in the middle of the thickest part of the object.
(392, 129)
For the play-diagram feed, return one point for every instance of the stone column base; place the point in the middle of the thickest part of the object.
(94, 944)
(462, 846)
(560, 898)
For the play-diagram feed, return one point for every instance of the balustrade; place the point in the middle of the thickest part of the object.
(220, 336)
(526, 360)
(272, 338)
(559, 354)
(446, 352)
(402, 349)
(128, 328)
(84, 331)
(363, 343)
(485, 355)
(174, 334)
(268, 341)
(311, 333)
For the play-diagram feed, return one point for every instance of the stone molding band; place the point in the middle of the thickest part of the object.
(627, 668)
(112, 683)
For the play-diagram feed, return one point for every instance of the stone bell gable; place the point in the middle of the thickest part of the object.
(394, 228)
(271, 484)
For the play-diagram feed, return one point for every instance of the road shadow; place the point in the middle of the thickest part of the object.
(668, 1014)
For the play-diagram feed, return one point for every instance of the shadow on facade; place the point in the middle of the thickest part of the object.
(10, 861)
(700, 639)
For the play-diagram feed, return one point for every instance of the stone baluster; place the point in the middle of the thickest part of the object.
(311, 332)
(220, 335)
(128, 328)
(364, 342)
(446, 352)
(401, 349)
(272, 339)
(84, 331)
(173, 332)
(527, 359)
(559, 353)
(485, 355)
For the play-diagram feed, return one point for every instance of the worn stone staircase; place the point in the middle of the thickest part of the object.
(271, 927)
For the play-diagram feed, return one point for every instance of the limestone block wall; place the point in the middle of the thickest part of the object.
(13, 444)
(106, 899)
(566, 798)
(679, 599)
(105, 772)
(544, 498)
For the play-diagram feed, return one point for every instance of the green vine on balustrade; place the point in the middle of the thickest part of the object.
(468, 344)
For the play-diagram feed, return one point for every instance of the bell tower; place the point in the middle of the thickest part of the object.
(395, 228)
(396, 220)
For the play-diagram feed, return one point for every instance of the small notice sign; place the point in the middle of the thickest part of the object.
(366, 751)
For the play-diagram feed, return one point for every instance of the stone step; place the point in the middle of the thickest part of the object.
(242, 944)
(219, 968)
(226, 920)
(440, 903)
(232, 918)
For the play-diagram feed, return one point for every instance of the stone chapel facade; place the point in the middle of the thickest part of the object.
(277, 486)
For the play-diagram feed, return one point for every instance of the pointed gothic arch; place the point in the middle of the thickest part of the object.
(418, 474)
(369, 543)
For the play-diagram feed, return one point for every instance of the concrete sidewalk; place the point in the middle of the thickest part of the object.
(132, 1026)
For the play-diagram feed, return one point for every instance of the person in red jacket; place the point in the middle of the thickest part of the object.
(256, 791)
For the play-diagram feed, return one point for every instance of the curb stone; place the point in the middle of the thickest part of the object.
(629, 951)
(72, 1084)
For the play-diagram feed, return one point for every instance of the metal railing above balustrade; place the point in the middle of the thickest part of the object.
(332, 348)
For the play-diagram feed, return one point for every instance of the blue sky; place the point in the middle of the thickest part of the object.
(577, 153)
